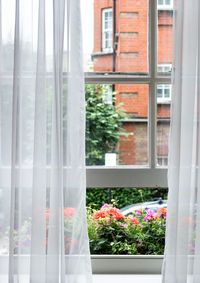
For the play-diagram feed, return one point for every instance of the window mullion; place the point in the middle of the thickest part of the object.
(152, 86)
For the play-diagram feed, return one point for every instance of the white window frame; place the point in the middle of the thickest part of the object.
(165, 6)
(164, 99)
(107, 30)
(164, 68)
(163, 160)
(135, 176)
(107, 94)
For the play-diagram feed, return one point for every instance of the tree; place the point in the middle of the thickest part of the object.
(103, 123)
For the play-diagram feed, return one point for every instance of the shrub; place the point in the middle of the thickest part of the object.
(142, 233)
(103, 124)
(95, 198)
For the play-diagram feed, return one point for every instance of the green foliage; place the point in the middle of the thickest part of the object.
(95, 198)
(146, 236)
(103, 124)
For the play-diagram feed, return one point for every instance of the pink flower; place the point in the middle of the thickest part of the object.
(191, 247)
(105, 206)
(138, 212)
(149, 214)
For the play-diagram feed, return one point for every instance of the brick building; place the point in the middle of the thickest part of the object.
(121, 45)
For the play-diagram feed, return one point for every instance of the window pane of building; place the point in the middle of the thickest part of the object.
(163, 123)
(115, 38)
(165, 35)
(117, 125)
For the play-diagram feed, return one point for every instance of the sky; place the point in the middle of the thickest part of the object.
(87, 27)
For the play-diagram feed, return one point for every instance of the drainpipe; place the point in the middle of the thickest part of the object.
(114, 34)
(114, 40)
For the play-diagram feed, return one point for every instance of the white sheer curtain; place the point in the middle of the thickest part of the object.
(43, 227)
(182, 252)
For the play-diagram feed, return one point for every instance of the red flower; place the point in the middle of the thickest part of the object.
(133, 220)
(47, 214)
(100, 214)
(156, 216)
(162, 211)
(104, 212)
(69, 212)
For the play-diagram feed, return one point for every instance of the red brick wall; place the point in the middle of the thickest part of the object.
(137, 45)
(138, 103)
(163, 111)
(103, 63)
(134, 148)
(165, 44)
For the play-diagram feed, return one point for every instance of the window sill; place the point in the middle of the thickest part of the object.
(168, 102)
(103, 53)
(107, 264)
(127, 264)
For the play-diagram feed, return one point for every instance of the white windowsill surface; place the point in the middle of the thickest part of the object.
(127, 278)
(108, 279)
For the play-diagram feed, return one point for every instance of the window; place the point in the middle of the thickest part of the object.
(107, 30)
(163, 93)
(107, 94)
(162, 160)
(165, 4)
(138, 71)
(138, 87)
(164, 68)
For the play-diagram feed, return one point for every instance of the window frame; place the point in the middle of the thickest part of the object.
(163, 99)
(135, 176)
(108, 30)
(163, 66)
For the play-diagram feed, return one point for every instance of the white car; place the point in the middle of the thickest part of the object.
(153, 205)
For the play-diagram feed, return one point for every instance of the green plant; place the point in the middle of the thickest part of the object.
(96, 197)
(142, 232)
(103, 124)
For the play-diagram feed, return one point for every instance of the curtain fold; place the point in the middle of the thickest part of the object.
(182, 251)
(43, 225)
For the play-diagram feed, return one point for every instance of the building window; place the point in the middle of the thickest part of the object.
(164, 68)
(162, 161)
(165, 4)
(164, 93)
(107, 94)
(107, 30)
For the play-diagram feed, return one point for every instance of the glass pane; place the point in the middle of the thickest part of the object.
(117, 132)
(165, 36)
(167, 92)
(163, 124)
(130, 53)
(159, 92)
(124, 214)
